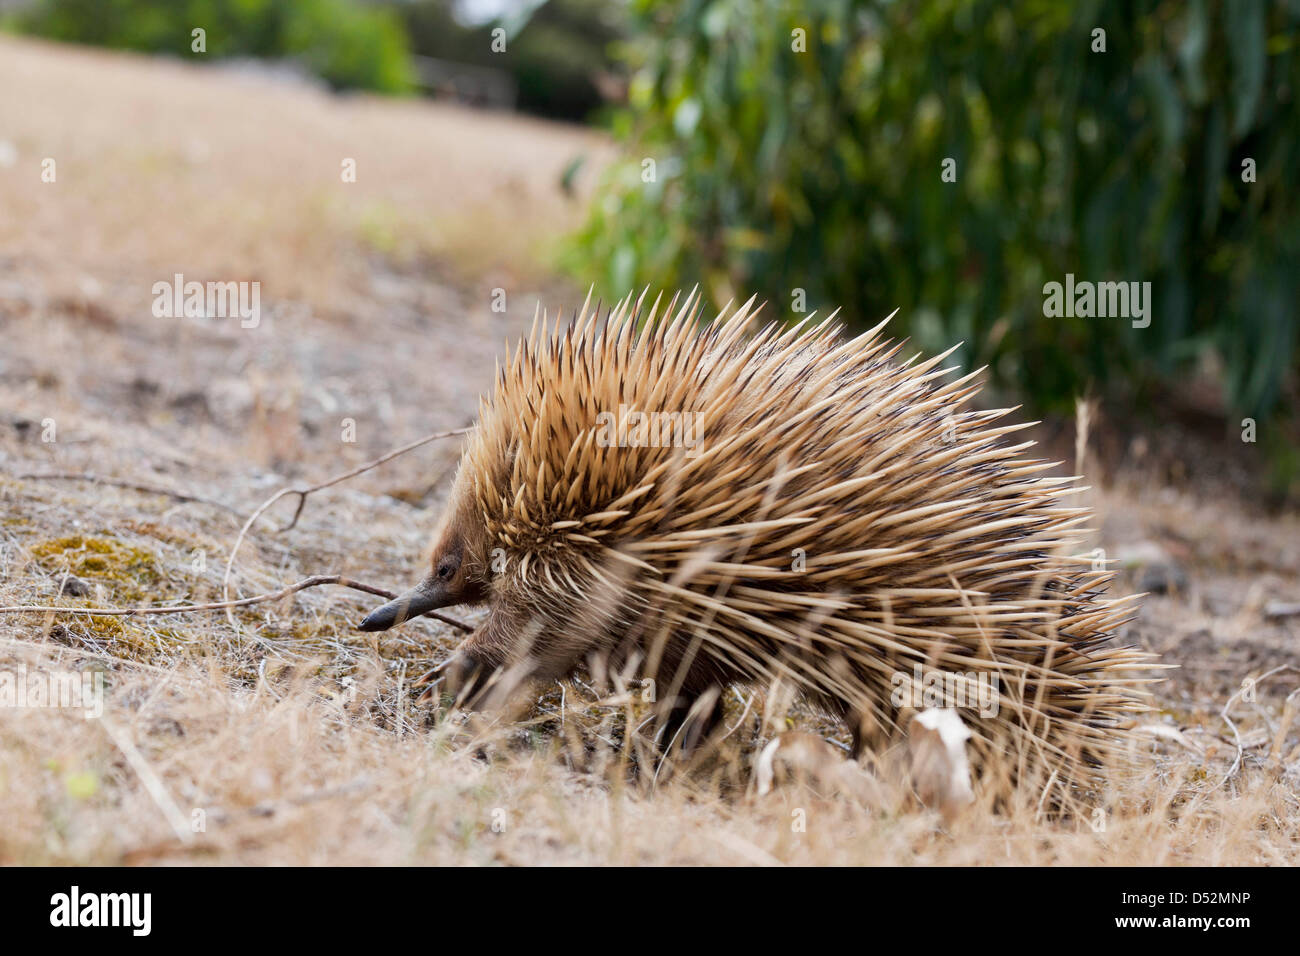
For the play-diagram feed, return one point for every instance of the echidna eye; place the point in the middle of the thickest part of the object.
(445, 571)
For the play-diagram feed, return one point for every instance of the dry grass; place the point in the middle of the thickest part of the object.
(167, 167)
(288, 771)
(299, 737)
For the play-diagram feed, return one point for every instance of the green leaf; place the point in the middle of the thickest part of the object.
(1244, 28)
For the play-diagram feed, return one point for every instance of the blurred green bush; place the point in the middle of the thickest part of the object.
(347, 43)
(778, 170)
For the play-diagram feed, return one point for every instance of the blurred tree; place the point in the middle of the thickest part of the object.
(347, 43)
(554, 49)
(804, 146)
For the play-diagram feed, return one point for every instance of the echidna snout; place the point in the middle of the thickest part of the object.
(429, 595)
(454, 577)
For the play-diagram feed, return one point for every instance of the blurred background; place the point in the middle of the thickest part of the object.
(797, 151)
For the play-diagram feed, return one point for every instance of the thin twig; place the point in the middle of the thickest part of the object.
(271, 808)
(1241, 749)
(302, 494)
(314, 581)
(123, 483)
(153, 785)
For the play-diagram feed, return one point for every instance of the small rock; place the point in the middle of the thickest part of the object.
(1162, 578)
(940, 767)
(798, 758)
(1277, 610)
(90, 287)
(1152, 567)
(166, 726)
(230, 401)
(74, 587)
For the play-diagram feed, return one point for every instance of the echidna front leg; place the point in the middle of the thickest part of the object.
(492, 651)
(868, 734)
(466, 676)
(858, 733)
(689, 721)
(513, 645)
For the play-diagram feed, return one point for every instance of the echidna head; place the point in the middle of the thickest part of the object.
(457, 573)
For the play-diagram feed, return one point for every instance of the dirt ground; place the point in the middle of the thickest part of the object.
(281, 734)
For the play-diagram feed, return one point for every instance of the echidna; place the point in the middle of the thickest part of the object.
(709, 504)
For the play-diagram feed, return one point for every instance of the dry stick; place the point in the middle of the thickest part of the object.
(122, 483)
(311, 582)
(271, 808)
(302, 494)
(223, 817)
(1241, 749)
(153, 785)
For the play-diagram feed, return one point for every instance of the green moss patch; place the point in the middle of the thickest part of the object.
(131, 573)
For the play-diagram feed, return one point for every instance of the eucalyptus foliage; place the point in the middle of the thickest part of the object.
(777, 169)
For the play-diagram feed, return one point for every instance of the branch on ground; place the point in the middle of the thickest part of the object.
(125, 483)
(311, 582)
(302, 494)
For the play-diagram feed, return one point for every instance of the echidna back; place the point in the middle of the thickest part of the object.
(830, 517)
